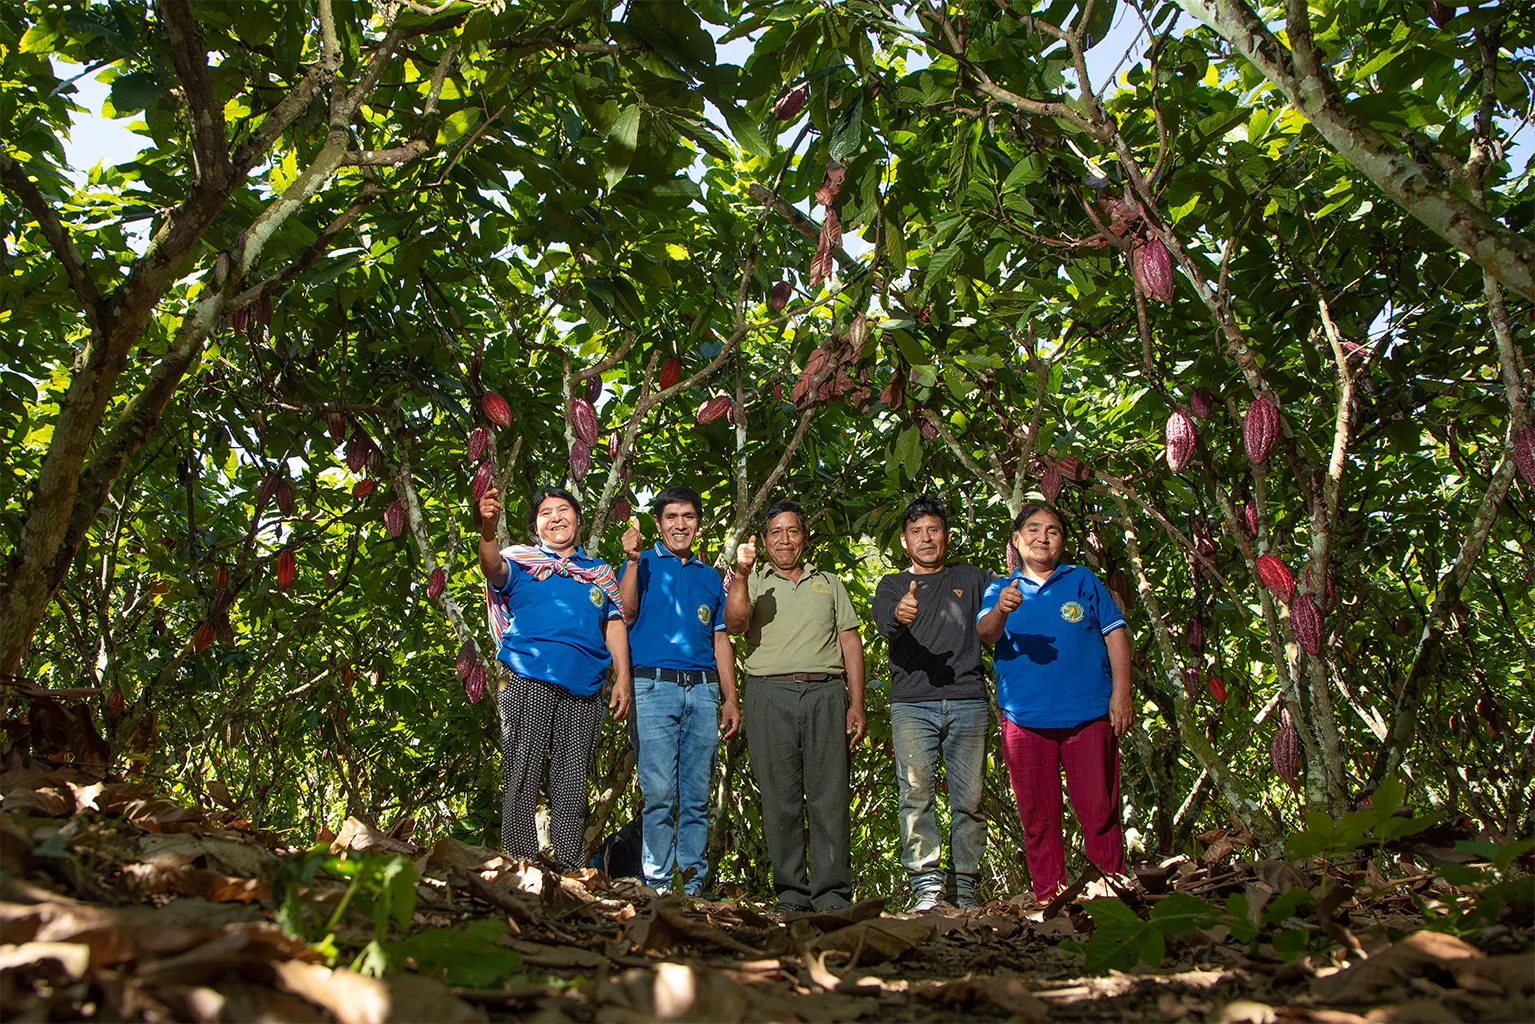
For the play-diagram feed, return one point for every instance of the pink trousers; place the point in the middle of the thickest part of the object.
(1090, 754)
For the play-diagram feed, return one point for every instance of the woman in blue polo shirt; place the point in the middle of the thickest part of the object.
(1062, 662)
(565, 629)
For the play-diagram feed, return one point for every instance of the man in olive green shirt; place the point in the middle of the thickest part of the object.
(801, 645)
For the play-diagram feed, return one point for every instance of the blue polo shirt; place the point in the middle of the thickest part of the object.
(682, 606)
(1051, 662)
(556, 633)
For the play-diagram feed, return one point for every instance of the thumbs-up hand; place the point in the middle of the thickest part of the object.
(631, 539)
(1011, 597)
(746, 555)
(906, 607)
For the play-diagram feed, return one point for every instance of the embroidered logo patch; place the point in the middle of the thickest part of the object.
(1071, 611)
(958, 592)
(595, 594)
(703, 614)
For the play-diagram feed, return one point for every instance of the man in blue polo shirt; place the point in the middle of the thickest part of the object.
(684, 685)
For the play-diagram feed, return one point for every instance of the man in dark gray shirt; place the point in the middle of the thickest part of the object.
(938, 704)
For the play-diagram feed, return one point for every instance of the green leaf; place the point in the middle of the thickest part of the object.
(745, 132)
(911, 349)
(468, 956)
(907, 441)
(1289, 945)
(622, 140)
(847, 134)
(458, 124)
(1179, 913)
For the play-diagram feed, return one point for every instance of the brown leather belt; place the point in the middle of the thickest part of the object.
(803, 677)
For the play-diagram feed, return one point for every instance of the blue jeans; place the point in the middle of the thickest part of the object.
(676, 730)
(920, 731)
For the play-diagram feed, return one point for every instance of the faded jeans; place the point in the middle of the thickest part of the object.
(676, 735)
(920, 731)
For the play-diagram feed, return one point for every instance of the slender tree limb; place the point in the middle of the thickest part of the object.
(205, 113)
(14, 176)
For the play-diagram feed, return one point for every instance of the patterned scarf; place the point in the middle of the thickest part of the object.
(541, 565)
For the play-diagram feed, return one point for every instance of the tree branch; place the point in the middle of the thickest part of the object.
(14, 177)
(205, 114)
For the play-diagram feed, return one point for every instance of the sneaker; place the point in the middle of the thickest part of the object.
(923, 900)
(964, 891)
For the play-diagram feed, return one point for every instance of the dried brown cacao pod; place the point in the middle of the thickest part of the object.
(496, 409)
(580, 460)
(435, 582)
(671, 370)
(1194, 633)
(221, 598)
(1181, 438)
(267, 488)
(479, 437)
(1154, 271)
(1524, 454)
(474, 683)
(468, 656)
(202, 636)
(1217, 688)
(1260, 429)
(284, 495)
(1306, 621)
(394, 518)
(779, 297)
(484, 476)
(286, 566)
(335, 425)
(790, 103)
(364, 487)
(1202, 403)
(583, 419)
(894, 393)
(712, 409)
(1284, 751)
(1050, 482)
(1277, 577)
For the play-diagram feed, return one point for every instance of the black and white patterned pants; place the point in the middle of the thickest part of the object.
(545, 724)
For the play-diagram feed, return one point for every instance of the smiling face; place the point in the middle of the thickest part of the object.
(926, 542)
(1040, 542)
(785, 540)
(556, 524)
(678, 523)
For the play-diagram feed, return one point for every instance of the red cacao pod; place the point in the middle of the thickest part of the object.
(1014, 563)
(479, 437)
(580, 460)
(435, 582)
(1191, 681)
(1306, 621)
(1260, 429)
(221, 577)
(468, 657)
(394, 518)
(286, 565)
(202, 636)
(1217, 688)
(622, 510)
(1194, 633)
(779, 297)
(357, 447)
(584, 420)
(1284, 751)
(929, 432)
(1074, 468)
(335, 425)
(778, 391)
(613, 444)
(372, 457)
(364, 487)
(1202, 403)
(267, 489)
(1154, 270)
(284, 495)
(1277, 577)
(1050, 482)
(1181, 438)
(671, 370)
(474, 683)
(1524, 454)
(484, 476)
(1250, 518)
(790, 103)
(496, 409)
(712, 409)
(239, 319)
(593, 389)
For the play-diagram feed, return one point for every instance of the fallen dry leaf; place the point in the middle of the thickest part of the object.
(1392, 971)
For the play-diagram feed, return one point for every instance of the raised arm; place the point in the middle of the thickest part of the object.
(491, 562)
(629, 582)
(991, 624)
(738, 602)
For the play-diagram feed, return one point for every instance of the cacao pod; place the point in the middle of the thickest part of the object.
(593, 389)
(267, 489)
(372, 457)
(712, 409)
(1191, 681)
(1524, 454)
(622, 510)
(1284, 751)
(202, 636)
(584, 420)
(1074, 468)
(474, 683)
(580, 460)
(613, 444)
(221, 598)
(363, 487)
(1194, 633)
(468, 656)
(484, 476)
(479, 437)
(239, 319)
(223, 629)
(857, 337)
(1154, 270)
(357, 450)
(435, 582)
(1217, 688)
(929, 432)
(335, 425)
(1202, 403)
(1487, 713)
(284, 495)
(1276, 576)
(394, 518)
(778, 391)
(286, 565)
(1014, 563)
(1250, 518)
(779, 297)
(116, 705)
(1050, 482)
(671, 370)
(496, 409)
(1306, 621)
(1260, 428)
(221, 577)
(790, 103)
(1181, 438)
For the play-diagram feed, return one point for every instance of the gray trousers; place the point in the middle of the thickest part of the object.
(797, 736)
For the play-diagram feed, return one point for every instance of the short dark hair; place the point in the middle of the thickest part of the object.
(925, 505)
(677, 495)
(543, 494)
(778, 508)
(1028, 512)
